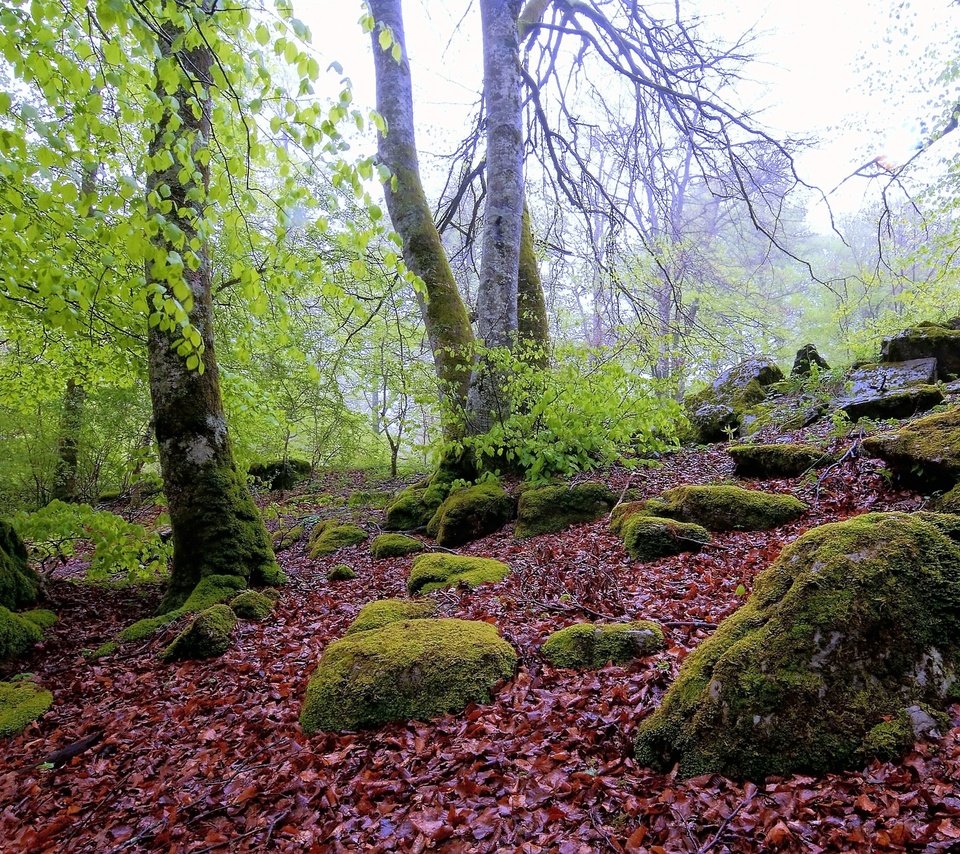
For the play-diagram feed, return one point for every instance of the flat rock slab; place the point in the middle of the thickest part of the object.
(927, 341)
(891, 390)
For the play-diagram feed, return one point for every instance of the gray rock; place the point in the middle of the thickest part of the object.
(891, 390)
(807, 356)
(927, 341)
(713, 421)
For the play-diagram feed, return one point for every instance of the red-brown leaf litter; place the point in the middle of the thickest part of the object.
(209, 756)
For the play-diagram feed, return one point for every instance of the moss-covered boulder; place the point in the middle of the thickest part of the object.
(341, 572)
(409, 670)
(329, 536)
(624, 511)
(415, 506)
(717, 409)
(207, 636)
(783, 460)
(855, 626)
(394, 545)
(436, 571)
(376, 615)
(926, 341)
(925, 453)
(470, 513)
(590, 645)
(281, 474)
(17, 634)
(651, 538)
(21, 702)
(252, 605)
(726, 508)
(546, 509)
(19, 584)
(949, 502)
(807, 357)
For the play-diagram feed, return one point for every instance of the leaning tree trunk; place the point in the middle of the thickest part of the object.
(65, 486)
(216, 527)
(503, 218)
(444, 313)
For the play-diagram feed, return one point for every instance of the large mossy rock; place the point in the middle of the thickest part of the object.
(281, 474)
(896, 390)
(376, 615)
(207, 636)
(329, 536)
(18, 634)
(717, 410)
(547, 509)
(925, 452)
(726, 508)
(470, 513)
(394, 545)
(650, 538)
(405, 670)
(437, 571)
(19, 584)
(927, 341)
(416, 505)
(590, 645)
(784, 460)
(848, 645)
(21, 702)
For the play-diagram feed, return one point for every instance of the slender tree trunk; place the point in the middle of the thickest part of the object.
(444, 313)
(503, 219)
(216, 527)
(65, 486)
(533, 327)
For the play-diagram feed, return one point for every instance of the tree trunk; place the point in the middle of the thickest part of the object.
(71, 420)
(444, 313)
(502, 223)
(533, 327)
(216, 527)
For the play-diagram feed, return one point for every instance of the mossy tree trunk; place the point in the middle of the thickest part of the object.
(217, 529)
(65, 487)
(532, 324)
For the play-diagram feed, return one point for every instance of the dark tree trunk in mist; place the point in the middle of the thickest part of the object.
(65, 486)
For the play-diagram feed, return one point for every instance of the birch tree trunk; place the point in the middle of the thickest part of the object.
(216, 527)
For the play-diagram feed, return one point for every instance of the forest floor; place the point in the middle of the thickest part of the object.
(209, 756)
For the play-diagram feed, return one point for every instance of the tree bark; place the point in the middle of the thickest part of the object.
(216, 527)
(444, 313)
(532, 324)
(65, 487)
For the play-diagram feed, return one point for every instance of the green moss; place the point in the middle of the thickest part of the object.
(330, 536)
(949, 502)
(281, 474)
(21, 702)
(284, 538)
(723, 508)
(40, 617)
(415, 505)
(416, 669)
(545, 509)
(784, 460)
(375, 499)
(591, 645)
(19, 584)
(926, 452)
(751, 394)
(207, 636)
(853, 623)
(470, 513)
(394, 545)
(252, 605)
(650, 538)
(341, 572)
(436, 571)
(623, 511)
(108, 648)
(376, 615)
(17, 634)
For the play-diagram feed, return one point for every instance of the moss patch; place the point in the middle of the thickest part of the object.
(416, 505)
(416, 669)
(726, 508)
(590, 645)
(622, 512)
(252, 605)
(545, 509)
(854, 624)
(19, 584)
(376, 615)
(436, 571)
(650, 538)
(207, 636)
(785, 460)
(394, 545)
(925, 452)
(21, 702)
(281, 474)
(17, 634)
(470, 513)
(341, 572)
(949, 502)
(330, 536)
(40, 617)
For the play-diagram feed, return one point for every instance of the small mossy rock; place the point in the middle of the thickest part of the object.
(726, 508)
(412, 670)
(341, 572)
(376, 615)
(651, 538)
(470, 513)
(949, 502)
(714, 422)
(283, 538)
(925, 453)
(330, 536)
(281, 474)
(19, 584)
(855, 623)
(624, 511)
(21, 703)
(17, 634)
(718, 408)
(808, 356)
(207, 636)
(437, 571)
(783, 460)
(416, 505)
(590, 645)
(252, 605)
(40, 617)
(394, 545)
(547, 509)
(926, 341)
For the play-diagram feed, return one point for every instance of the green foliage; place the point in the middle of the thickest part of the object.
(591, 645)
(437, 571)
(21, 702)
(375, 615)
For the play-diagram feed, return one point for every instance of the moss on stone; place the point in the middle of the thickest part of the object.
(284, 538)
(40, 617)
(416, 669)
(470, 513)
(415, 505)
(782, 460)
(949, 502)
(926, 452)
(590, 645)
(341, 572)
(105, 649)
(329, 536)
(19, 584)
(207, 636)
(252, 605)
(394, 545)
(545, 509)
(436, 571)
(21, 702)
(856, 622)
(281, 474)
(650, 538)
(622, 512)
(725, 508)
(17, 634)
(376, 615)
